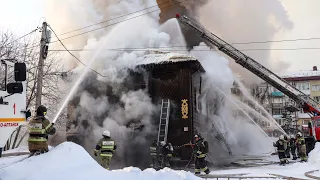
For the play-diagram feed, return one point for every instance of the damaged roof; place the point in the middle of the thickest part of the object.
(154, 58)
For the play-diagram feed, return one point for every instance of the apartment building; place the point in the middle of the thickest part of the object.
(306, 81)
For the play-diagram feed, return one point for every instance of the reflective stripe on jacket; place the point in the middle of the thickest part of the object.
(39, 128)
(106, 146)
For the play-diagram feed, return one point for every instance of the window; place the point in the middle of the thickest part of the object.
(2, 77)
(317, 98)
(316, 87)
(303, 86)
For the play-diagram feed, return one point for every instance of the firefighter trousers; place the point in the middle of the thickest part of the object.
(201, 165)
(154, 162)
(105, 160)
(293, 152)
(282, 157)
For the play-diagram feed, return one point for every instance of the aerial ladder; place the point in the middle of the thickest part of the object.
(302, 100)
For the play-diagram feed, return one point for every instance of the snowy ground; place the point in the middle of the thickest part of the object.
(70, 161)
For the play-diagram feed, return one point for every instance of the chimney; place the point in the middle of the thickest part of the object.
(315, 68)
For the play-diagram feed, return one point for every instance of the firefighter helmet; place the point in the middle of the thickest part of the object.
(106, 133)
(292, 136)
(162, 143)
(281, 137)
(41, 110)
(299, 134)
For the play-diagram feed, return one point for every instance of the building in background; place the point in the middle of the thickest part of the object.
(306, 81)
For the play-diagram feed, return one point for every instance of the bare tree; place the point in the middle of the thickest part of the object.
(27, 50)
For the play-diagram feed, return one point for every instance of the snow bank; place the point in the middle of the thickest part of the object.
(314, 156)
(71, 161)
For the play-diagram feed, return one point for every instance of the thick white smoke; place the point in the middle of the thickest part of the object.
(97, 111)
(247, 21)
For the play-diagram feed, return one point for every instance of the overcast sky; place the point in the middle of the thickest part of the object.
(24, 15)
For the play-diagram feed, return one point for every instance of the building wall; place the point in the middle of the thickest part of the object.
(315, 89)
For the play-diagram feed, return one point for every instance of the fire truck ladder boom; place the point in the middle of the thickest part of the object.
(308, 104)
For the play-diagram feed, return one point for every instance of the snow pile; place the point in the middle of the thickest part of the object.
(314, 156)
(71, 161)
(301, 74)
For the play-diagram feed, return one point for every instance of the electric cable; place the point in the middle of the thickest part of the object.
(109, 25)
(163, 49)
(20, 37)
(73, 54)
(114, 18)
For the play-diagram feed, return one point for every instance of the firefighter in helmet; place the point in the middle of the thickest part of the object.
(105, 147)
(39, 129)
(293, 147)
(166, 153)
(301, 145)
(280, 144)
(200, 155)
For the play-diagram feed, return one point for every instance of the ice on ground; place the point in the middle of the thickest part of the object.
(71, 161)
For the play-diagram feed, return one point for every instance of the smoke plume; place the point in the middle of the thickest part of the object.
(247, 21)
(108, 101)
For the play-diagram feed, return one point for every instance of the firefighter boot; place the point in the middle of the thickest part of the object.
(207, 171)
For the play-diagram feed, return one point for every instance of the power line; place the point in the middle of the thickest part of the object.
(170, 6)
(162, 49)
(71, 53)
(113, 18)
(21, 37)
(167, 7)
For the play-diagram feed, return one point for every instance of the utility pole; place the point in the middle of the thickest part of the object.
(45, 40)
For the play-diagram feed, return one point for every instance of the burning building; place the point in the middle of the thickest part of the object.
(161, 76)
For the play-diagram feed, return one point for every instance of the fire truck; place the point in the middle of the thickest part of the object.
(301, 100)
(12, 98)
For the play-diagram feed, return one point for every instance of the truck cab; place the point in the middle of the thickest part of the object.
(12, 99)
(316, 127)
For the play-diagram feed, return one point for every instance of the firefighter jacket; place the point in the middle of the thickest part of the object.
(39, 128)
(167, 150)
(280, 145)
(154, 149)
(106, 146)
(292, 143)
(300, 141)
(301, 144)
(199, 149)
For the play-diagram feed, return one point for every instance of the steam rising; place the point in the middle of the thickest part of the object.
(109, 101)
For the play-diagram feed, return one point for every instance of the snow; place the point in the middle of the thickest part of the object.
(71, 161)
(158, 57)
(16, 150)
(301, 74)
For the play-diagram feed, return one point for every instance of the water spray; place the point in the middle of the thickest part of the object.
(242, 111)
(242, 88)
(76, 85)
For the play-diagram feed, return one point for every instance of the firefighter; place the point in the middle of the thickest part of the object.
(166, 153)
(281, 149)
(106, 146)
(200, 154)
(301, 145)
(293, 147)
(39, 129)
(287, 147)
(154, 155)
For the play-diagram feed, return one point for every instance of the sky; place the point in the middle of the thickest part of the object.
(22, 16)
